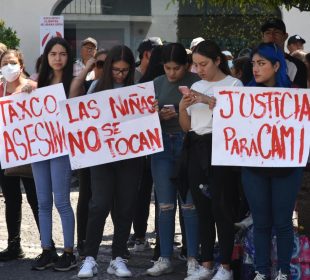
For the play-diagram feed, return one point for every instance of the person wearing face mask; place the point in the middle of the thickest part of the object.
(12, 66)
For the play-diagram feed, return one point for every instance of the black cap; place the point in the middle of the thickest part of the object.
(295, 39)
(274, 23)
(149, 44)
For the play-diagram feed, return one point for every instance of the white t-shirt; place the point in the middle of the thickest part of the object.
(92, 87)
(201, 115)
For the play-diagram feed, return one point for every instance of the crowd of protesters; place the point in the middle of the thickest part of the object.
(209, 197)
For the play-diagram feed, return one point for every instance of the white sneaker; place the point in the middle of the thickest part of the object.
(223, 274)
(245, 223)
(281, 276)
(192, 266)
(88, 268)
(141, 245)
(259, 276)
(200, 273)
(119, 268)
(162, 266)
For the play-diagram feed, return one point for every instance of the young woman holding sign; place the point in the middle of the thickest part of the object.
(12, 65)
(53, 176)
(80, 86)
(113, 184)
(212, 187)
(271, 192)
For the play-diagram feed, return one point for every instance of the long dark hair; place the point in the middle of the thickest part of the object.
(46, 73)
(117, 53)
(273, 53)
(174, 52)
(211, 50)
(155, 67)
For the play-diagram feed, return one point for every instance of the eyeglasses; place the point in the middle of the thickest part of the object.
(117, 71)
(100, 64)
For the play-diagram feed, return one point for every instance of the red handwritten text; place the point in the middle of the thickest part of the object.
(31, 108)
(272, 104)
(19, 143)
(271, 141)
(135, 104)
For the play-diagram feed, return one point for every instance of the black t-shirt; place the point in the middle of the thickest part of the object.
(300, 79)
(87, 85)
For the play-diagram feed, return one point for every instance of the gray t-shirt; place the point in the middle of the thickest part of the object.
(168, 93)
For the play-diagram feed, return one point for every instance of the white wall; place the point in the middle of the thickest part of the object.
(298, 22)
(164, 20)
(24, 17)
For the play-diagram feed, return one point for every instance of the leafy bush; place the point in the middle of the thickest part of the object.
(8, 36)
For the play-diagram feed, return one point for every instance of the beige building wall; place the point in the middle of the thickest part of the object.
(24, 16)
(297, 22)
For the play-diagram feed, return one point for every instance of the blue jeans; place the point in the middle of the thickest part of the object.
(163, 167)
(54, 176)
(272, 200)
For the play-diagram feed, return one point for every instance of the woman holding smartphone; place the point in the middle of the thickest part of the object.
(164, 164)
(214, 207)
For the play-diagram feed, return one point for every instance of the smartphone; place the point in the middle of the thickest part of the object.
(170, 106)
(184, 90)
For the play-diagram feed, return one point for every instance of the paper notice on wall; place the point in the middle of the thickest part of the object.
(50, 26)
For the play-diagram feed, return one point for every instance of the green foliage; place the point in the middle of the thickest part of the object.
(232, 28)
(303, 5)
(8, 36)
(234, 31)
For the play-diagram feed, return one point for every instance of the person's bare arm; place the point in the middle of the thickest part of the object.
(77, 85)
(202, 98)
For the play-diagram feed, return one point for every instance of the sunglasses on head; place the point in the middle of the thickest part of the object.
(99, 63)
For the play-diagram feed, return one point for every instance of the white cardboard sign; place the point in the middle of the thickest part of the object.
(111, 125)
(262, 127)
(30, 129)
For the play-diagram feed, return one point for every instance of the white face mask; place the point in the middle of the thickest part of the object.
(230, 64)
(11, 72)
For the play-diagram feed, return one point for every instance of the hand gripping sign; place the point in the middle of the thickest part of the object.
(263, 127)
(30, 129)
(111, 125)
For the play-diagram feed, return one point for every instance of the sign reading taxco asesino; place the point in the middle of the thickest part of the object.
(30, 129)
(263, 127)
(111, 125)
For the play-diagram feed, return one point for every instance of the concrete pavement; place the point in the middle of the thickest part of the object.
(20, 269)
